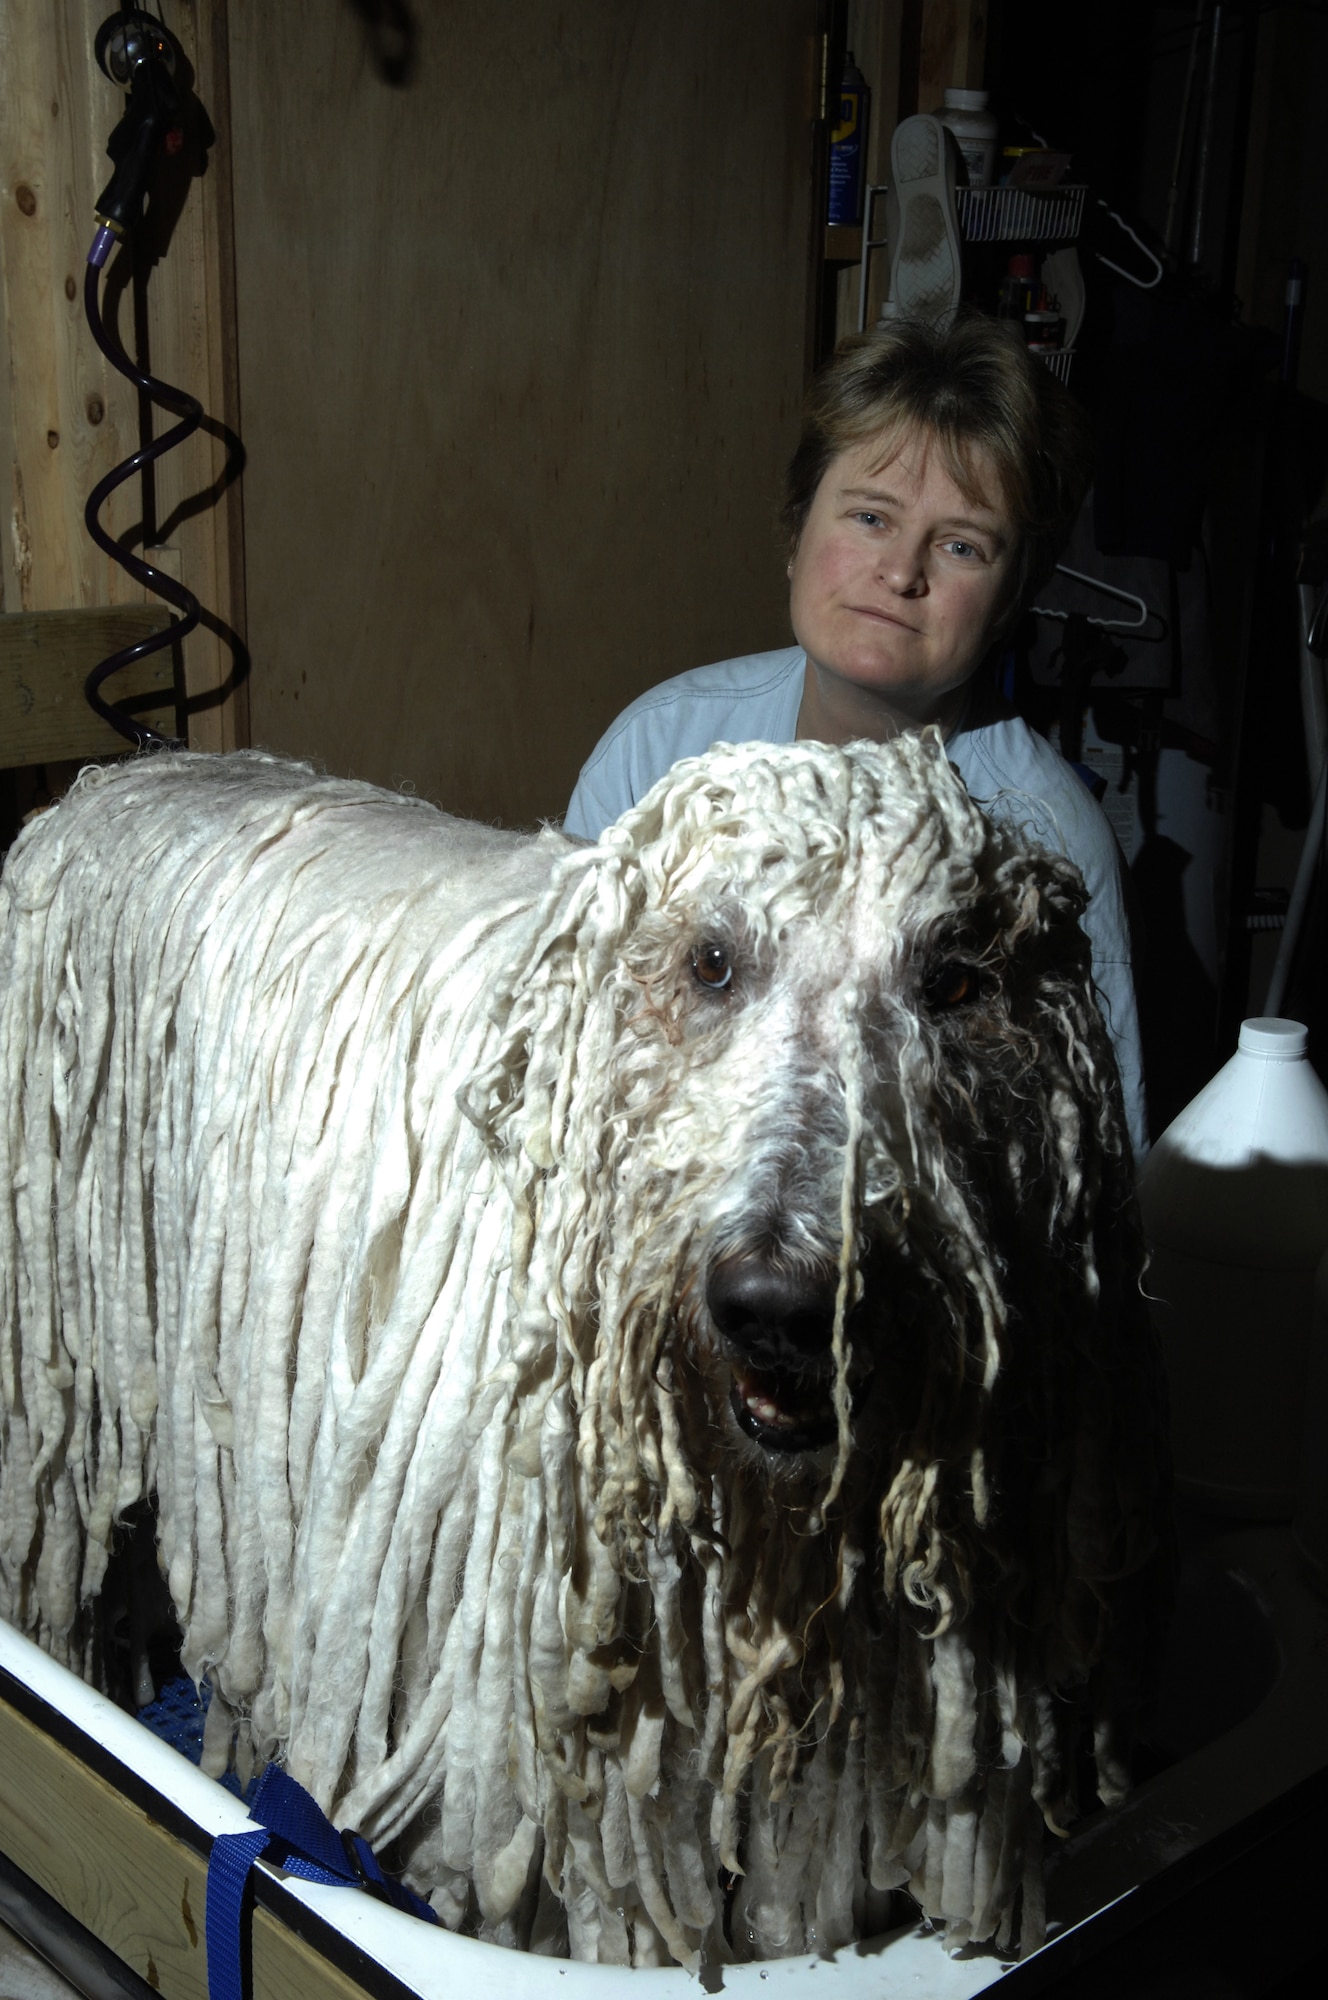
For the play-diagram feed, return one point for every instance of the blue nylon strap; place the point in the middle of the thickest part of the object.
(285, 1807)
(233, 1855)
(303, 1842)
(371, 1877)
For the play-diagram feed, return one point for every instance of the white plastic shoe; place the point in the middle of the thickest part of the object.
(926, 271)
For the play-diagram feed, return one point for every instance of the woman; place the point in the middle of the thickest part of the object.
(939, 471)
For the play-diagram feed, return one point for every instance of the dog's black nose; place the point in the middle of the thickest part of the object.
(772, 1310)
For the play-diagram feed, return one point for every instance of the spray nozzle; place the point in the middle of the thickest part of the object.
(128, 40)
(135, 51)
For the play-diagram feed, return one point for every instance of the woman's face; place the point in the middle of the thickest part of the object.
(897, 579)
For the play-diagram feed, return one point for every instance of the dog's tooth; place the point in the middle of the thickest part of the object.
(767, 1412)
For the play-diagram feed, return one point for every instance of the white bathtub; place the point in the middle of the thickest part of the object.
(1245, 1712)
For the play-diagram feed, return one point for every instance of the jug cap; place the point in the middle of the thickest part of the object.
(1285, 1041)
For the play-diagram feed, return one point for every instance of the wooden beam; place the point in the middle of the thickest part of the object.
(134, 1884)
(953, 51)
(124, 1879)
(70, 417)
(46, 656)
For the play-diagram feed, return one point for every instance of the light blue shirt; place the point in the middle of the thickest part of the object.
(1011, 771)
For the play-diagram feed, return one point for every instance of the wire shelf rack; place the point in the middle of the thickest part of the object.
(995, 215)
(1060, 362)
(1020, 214)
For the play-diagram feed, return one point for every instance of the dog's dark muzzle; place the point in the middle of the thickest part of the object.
(776, 1321)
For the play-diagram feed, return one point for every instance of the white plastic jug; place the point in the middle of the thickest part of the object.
(1234, 1197)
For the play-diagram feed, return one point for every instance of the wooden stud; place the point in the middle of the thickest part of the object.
(953, 49)
(72, 416)
(45, 657)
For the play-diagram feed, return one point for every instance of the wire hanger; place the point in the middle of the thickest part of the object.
(1144, 284)
(1112, 590)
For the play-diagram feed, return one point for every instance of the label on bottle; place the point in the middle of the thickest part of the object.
(846, 158)
(978, 158)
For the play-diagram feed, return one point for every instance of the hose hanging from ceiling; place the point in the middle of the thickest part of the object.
(135, 51)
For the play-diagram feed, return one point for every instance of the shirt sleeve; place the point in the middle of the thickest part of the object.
(619, 771)
(750, 699)
(596, 802)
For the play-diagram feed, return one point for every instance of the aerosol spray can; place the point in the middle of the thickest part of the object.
(848, 148)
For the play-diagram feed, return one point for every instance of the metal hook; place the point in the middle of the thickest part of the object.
(1112, 590)
(1144, 284)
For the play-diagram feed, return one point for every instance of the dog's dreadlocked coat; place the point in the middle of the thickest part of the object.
(637, 1350)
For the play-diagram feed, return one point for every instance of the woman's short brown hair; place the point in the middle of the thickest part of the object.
(968, 385)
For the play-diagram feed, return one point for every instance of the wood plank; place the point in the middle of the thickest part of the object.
(45, 657)
(129, 1881)
(225, 727)
(843, 243)
(953, 49)
(72, 417)
(134, 1886)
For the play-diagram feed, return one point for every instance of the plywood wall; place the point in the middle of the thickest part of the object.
(522, 341)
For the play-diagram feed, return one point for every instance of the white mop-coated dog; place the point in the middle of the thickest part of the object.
(637, 1350)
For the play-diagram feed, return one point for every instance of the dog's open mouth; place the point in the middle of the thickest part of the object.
(783, 1412)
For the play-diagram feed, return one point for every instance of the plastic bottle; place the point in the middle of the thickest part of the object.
(1019, 288)
(975, 128)
(1309, 1527)
(1234, 1197)
(848, 148)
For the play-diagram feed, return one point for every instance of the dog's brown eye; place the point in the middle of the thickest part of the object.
(952, 984)
(710, 963)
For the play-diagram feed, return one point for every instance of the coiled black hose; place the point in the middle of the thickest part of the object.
(190, 411)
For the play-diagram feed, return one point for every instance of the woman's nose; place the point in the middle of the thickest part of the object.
(902, 569)
(905, 573)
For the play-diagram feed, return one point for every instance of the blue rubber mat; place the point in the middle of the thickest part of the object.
(177, 1717)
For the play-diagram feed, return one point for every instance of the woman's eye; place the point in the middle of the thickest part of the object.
(867, 519)
(968, 551)
(952, 984)
(711, 966)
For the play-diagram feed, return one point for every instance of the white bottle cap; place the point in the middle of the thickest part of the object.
(1285, 1041)
(965, 100)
